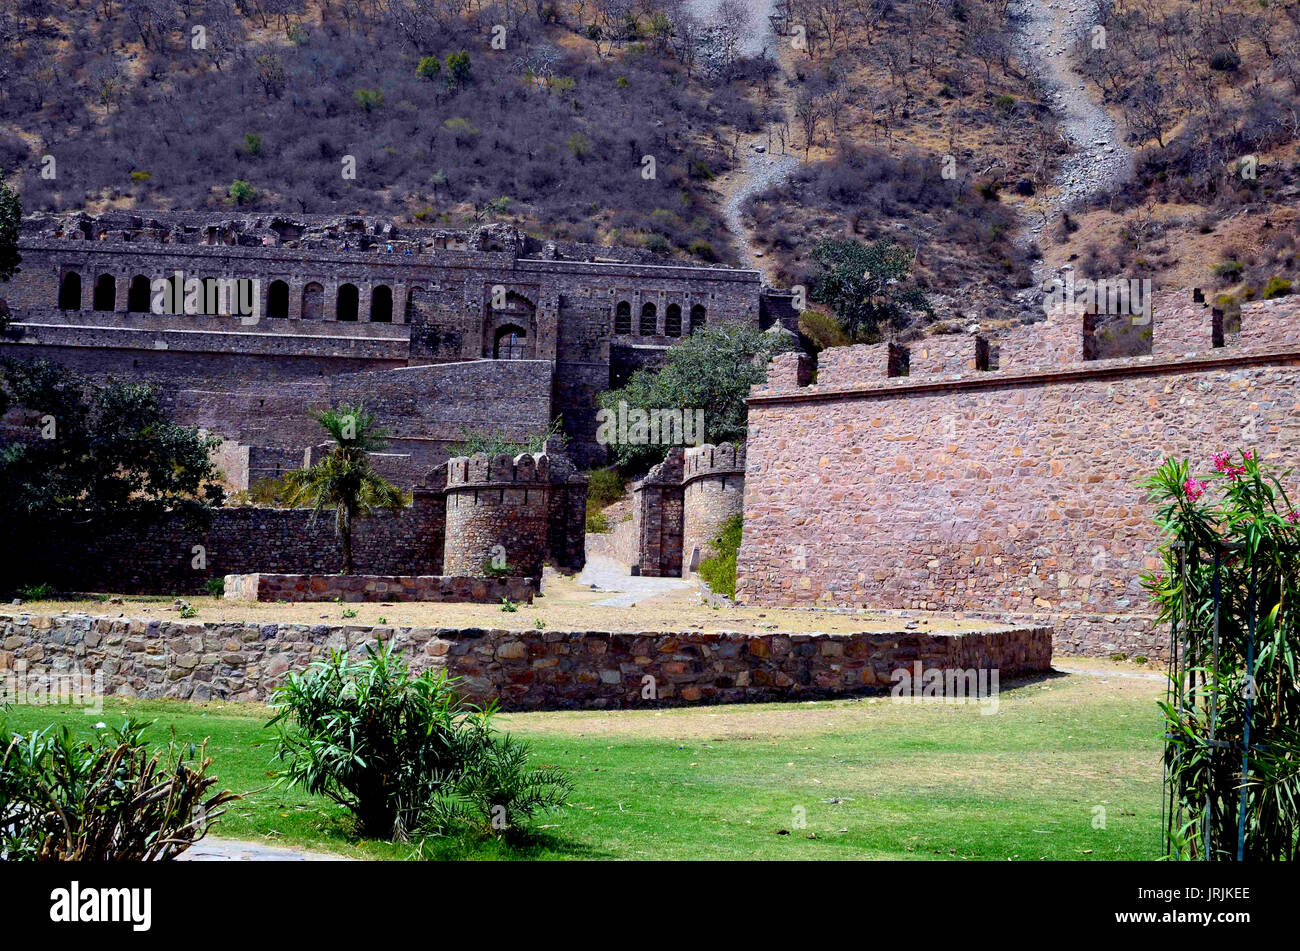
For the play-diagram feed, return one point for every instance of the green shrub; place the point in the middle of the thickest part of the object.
(1224, 60)
(1229, 270)
(369, 99)
(241, 192)
(702, 250)
(508, 606)
(428, 67)
(104, 799)
(188, 611)
(1005, 104)
(597, 523)
(36, 592)
(1276, 287)
(605, 487)
(457, 68)
(719, 569)
(823, 329)
(252, 143)
(579, 145)
(216, 587)
(349, 613)
(405, 755)
(492, 570)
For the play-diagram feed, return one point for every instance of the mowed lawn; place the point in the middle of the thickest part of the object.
(861, 779)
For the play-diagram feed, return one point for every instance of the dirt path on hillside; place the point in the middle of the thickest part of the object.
(1100, 160)
(760, 162)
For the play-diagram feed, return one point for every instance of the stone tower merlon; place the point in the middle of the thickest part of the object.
(1179, 326)
(513, 513)
(681, 505)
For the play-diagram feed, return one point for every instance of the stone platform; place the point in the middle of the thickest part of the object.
(438, 588)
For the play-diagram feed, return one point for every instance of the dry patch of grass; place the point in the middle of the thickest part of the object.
(566, 605)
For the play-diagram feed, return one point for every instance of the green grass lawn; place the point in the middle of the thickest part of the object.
(871, 778)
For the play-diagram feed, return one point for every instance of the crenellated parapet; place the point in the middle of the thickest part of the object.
(682, 503)
(1175, 327)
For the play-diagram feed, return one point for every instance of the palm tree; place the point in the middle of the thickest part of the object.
(344, 480)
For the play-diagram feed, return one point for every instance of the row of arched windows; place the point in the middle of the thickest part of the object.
(139, 297)
(648, 326)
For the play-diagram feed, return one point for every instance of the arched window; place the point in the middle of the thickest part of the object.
(381, 304)
(623, 318)
(414, 301)
(509, 344)
(347, 302)
(673, 320)
(70, 291)
(277, 299)
(313, 301)
(697, 317)
(105, 297)
(137, 295)
(649, 321)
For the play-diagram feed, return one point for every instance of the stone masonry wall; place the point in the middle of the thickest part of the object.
(354, 588)
(1013, 491)
(526, 670)
(160, 558)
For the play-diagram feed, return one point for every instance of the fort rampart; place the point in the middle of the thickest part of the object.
(918, 476)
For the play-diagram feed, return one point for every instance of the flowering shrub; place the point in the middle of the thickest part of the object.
(1228, 588)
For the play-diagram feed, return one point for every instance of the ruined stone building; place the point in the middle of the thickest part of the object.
(438, 332)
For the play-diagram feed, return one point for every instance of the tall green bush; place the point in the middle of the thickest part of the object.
(1228, 592)
(405, 755)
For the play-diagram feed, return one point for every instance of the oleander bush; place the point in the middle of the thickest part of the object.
(105, 799)
(1228, 590)
(407, 755)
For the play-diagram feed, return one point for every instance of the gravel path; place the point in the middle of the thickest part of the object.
(1100, 158)
(606, 574)
(212, 849)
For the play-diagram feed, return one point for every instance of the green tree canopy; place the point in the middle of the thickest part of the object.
(712, 370)
(93, 451)
(344, 480)
(868, 286)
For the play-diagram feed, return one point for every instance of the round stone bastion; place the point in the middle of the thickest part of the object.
(496, 514)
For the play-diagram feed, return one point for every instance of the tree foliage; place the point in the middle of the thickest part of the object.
(345, 480)
(713, 370)
(868, 286)
(87, 451)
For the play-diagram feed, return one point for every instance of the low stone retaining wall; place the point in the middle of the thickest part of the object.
(525, 670)
(267, 587)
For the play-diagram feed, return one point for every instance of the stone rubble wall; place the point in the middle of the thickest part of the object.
(525, 670)
(354, 588)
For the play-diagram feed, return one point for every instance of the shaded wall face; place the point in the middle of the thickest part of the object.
(707, 503)
(997, 498)
(169, 557)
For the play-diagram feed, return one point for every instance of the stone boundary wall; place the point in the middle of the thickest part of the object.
(526, 670)
(353, 588)
(159, 557)
(1013, 490)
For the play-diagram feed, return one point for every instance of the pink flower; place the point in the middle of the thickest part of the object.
(1221, 460)
(1194, 489)
(1293, 518)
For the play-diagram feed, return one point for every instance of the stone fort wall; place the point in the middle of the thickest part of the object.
(340, 296)
(1016, 490)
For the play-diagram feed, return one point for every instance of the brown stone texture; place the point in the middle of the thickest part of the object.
(713, 490)
(497, 508)
(437, 588)
(525, 670)
(1015, 491)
